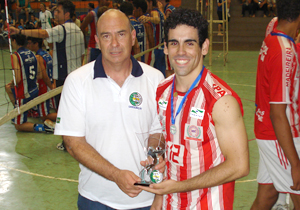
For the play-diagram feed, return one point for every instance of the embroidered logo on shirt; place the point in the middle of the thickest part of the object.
(263, 51)
(135, 100)
(260, 115)
(58, 120)
(193, 132)
(197, 113)
(162, 104)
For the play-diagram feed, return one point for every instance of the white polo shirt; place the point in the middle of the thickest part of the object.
(68, 47)
(109, 116)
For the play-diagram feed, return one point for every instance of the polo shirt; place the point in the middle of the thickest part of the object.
(110, 117)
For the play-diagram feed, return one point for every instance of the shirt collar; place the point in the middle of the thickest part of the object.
(99, 70)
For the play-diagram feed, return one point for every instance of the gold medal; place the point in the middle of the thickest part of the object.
(175, 94)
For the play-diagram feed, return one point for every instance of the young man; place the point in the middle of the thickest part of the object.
(46, 65)
(67, 39)
(26, 70)
(114, 99)
(206, 140)
(277, 110)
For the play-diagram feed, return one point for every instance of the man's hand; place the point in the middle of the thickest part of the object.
(296, 177)
(125, 181)
(13, 30)
(160, 166)
(163, 188)
(143, 19)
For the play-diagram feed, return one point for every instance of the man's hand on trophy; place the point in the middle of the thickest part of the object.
(125, 181)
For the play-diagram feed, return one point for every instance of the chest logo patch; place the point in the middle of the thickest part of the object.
(162, 104)
(197, 113)
(135, 99)
(193, 132)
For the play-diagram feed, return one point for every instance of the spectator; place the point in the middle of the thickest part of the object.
(23, 6)
(260, 5)
(247, 5)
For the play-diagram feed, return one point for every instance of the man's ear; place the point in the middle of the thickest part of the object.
(166, 48)
(205, 47)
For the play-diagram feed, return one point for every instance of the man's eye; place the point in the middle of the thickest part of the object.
(190, 43)
(173, 43)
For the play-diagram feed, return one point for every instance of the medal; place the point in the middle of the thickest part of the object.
(173, 129)
(174, 94)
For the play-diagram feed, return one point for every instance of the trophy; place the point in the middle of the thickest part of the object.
(148, 174)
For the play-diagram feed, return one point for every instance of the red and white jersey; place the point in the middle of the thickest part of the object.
(92, 28)
(194, 148)
(271, 26)
(277, 82)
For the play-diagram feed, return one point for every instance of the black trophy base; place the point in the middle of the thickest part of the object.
(142, 184)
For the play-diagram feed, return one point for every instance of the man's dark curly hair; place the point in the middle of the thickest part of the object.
(288, 9)
(190, 18)
(67, 6)
(20, 39)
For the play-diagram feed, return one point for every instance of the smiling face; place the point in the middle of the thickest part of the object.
(114, 37)
(185, 54)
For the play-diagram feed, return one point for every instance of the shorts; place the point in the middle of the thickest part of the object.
(44, 108)
(274, 168)
(22, 118)
(159, 62)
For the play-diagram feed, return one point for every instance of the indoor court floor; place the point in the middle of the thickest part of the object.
(35, 175)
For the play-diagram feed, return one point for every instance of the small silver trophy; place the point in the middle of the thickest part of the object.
(148, 174)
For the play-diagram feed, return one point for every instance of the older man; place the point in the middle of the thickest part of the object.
(104, 105)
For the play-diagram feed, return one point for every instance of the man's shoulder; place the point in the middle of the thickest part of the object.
(83, 73)
(151, 72)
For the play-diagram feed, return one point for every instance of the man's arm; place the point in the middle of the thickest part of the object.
(90, 158)
(42, 68)
(284, 136)
(232, 137)
(38, 33)
(86, 21)
(17, 69)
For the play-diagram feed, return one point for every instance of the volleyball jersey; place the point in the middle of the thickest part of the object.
(140, 35)
(27, 87)
(159, 28)
(92, 28)
(277, 82)
(194, 148)
(48, 63)
(169, 8)
(271, 26)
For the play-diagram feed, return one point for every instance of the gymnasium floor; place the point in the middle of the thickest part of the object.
(35, 175)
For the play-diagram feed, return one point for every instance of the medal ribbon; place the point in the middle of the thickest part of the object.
(284, 35)
(184, 98)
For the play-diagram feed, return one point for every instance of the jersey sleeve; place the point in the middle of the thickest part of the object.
(56, 34)
(71, 113)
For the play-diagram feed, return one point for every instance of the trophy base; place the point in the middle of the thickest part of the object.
(142, 184)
